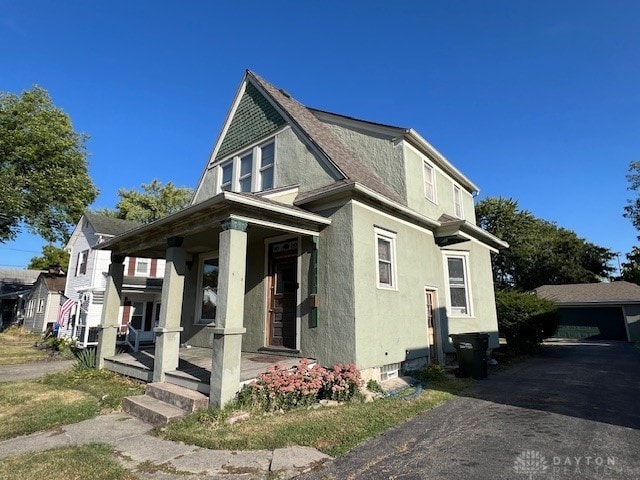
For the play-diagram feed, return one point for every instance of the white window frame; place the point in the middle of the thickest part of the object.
(388, 236)
(446, 255)
(256, 168)
(30, 308)
(40, 305)
(426, 166)
(458, 208)
(199, 296)
(83, 259)
(142, 261)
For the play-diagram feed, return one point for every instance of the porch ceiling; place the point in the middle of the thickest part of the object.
(151, 240)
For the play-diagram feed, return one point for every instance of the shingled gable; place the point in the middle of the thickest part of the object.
(105, 225)
(341, 157)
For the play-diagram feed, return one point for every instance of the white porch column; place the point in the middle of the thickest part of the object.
(168, 330)
(110, 320)
(228, 329)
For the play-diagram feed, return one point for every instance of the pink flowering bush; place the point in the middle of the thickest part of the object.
(283, 388)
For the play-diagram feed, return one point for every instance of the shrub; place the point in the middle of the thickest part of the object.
(525, 320)
(85, 359)
(374, 386)
(283, 388)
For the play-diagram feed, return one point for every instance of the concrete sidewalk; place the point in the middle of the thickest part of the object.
(29, 371)
(166, 459)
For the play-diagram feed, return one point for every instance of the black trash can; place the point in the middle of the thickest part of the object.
(472, 353)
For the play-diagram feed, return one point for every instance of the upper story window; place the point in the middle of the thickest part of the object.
(250, 171)
(142, 266)
(386, 258)
(458, 283)
(81, 268)
(457, 201)
(429, 181)
(41, 305)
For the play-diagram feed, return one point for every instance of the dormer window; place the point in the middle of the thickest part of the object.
(249, 171)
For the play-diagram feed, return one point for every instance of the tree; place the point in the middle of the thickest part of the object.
(632, 209)
(51, 255)
(539, 251)
(154, 202)
(631, 268)
(43, 168)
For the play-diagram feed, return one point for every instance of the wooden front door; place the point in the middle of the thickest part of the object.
(432, 333)
(283, 285)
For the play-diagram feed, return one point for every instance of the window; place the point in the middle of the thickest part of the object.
(142, 266)
(457, 201)
(429, 184)
(208, 290)
(81, 268)
(137, 313)
(385, 258)
(41, 305)
(30, 306)
(458, 283)
(250, 171)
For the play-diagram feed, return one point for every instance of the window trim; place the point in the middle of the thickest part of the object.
(256, 169)
(389, 236)
(457, 202)
(139, 273)
(432, 168)
(197, 318)
(41, 305)
(83, 260)
(446, 254)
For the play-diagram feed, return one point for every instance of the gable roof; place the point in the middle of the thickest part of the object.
(614, 292)
(338, 154)
(55, 283)
(105, 225)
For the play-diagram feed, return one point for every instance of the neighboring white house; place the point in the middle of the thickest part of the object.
(86, 281)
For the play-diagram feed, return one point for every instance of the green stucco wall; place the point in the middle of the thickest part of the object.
(632, 315)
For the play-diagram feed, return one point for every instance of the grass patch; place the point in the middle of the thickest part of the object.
(60, 399)
(68, 463)
(19, 346)
(333, 431)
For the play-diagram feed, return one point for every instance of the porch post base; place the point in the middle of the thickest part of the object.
(225, 371)
(166, 353)
(107, 337)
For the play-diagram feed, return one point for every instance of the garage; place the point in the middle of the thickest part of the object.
(591, 323)
(596, 311)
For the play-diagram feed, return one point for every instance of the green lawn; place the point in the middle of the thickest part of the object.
(332, 430)
(18, 346)
(59, 399)
(68, 463)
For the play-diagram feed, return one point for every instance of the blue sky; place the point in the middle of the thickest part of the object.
(539, 101)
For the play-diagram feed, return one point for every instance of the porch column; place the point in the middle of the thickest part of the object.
(110, 320)
(168, 329)
(228, 328)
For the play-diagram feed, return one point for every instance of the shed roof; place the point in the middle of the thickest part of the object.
(618, 292)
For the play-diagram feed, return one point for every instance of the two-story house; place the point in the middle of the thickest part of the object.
(86, 280)
(319, 235)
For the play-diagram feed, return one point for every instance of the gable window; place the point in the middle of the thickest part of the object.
(208, 290)
(142, 266)
(386, 258)
(458, 283)
(250, 171)
(457, 201)
(81, 268)
(429, 182)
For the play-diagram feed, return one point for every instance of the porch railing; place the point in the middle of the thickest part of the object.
(133, 338)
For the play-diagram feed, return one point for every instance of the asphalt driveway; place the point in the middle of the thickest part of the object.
(571, 412)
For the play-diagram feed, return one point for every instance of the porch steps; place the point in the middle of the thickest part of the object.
(164, 402)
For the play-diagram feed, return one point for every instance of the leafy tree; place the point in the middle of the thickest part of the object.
(539, 251)
(51, 255)
(632, 209)
(152, 203)
(631, 268)
(43, 168)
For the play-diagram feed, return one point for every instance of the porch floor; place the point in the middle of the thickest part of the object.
(195, 363)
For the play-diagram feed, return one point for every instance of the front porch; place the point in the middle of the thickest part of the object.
(194, 366)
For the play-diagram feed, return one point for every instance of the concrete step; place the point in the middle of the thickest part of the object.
(188, 381)
(183, 398)
(151, 410)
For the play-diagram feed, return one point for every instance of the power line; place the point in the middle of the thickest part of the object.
(19, 250)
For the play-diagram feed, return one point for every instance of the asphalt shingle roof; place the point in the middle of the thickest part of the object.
(591, 292)
(109, 225)
(339, 154)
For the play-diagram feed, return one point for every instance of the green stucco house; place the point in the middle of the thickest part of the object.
(317, 235)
